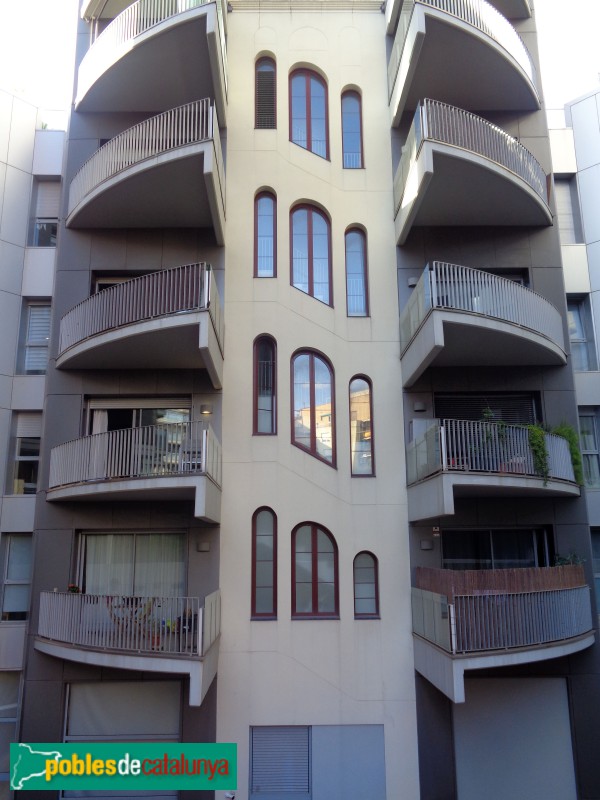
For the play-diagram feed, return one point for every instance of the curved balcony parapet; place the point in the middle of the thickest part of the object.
(478, 14)
(156, 141)
(132, 26)
(152, 451)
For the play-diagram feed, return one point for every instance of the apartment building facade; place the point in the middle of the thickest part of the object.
(30, 172)
(308, 321)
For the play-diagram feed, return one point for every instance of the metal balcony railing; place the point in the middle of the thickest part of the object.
(133, 22)
(182, 448)
(448, 286)
(490, 619)
(451, 445)
(158, 294)
(434, 121)
(480, 15)
(192, 123)
(177, 626)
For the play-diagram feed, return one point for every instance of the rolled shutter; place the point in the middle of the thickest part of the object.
(48, 200)
(28, 424)
(280, 759)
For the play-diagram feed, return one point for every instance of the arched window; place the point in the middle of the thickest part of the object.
(308, 112)
(264, 564)
(352, 131)
(311, 253)
(265, 386)
(366, 586)
(313, 423)
(265, 237)
(357, 292)
(361, 427)
(265, 90)
(314, 572)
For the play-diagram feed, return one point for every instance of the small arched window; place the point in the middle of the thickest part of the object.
(314, 572)
(265, 386)
(366, 586)
(265, 237)
(265, 103)
(361, 427)
(352, 147)
(311, 253)
(313, 423)
(264, 564)
(308, 112)
(357, 291)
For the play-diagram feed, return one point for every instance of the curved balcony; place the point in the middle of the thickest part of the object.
(465, 458)
(457, 316)
(165, 172)
(164, 320)
(156, 54)
(458, 169)
(148, 634)
(481, 619)
(441, 44)
(513, 9)
(176, 461)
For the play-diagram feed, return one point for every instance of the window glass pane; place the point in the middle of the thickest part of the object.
(320, 242)
(356, 274)
(513, 549)
(264, 600)
(16, 601)
(591, 470)
(19, 558)
(159, 568)
(587, 429)
(303, 567)
(299, 121)
(300, 249)
(326, 598)
(325, 566)
(265, 386)
(323, 411)
(466, 550)
(303, 598)
(360, 427)
(264, 573)
(29, 447)
(365, 606)
(265, 236)
(318, 118)
(351, 133)
(302, 420)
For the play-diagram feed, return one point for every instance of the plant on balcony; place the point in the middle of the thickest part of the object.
(570, 560)
(569, 433)
(537, 443)
(73, 588)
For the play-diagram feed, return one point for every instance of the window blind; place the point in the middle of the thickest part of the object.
(48, 199)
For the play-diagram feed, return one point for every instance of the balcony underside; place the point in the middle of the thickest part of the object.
(449, 186)
(182, 341)
(447, 672)
(431, 67)
(103, 9)
(200, 671)
(201, 490)
(172, 63)
(176, 189)
(434, 496)
(513, 9)
(450, 338)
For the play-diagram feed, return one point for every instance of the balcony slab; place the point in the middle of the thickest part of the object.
(201, 671)
(447, 672)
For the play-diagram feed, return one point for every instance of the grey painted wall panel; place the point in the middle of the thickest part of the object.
(348, 762)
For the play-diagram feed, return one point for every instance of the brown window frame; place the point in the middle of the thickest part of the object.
(369, 383)
(363, 235)
(357, 614)
(256, 384)
(314, 613)
(353, 93)
(311, 209)
(308, 75)
(259, 62)
(260, 196)
(312, 450)
(254, 613)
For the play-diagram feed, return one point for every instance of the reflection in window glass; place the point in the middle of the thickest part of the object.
(361, 433)
(313, 406)
(589, 450)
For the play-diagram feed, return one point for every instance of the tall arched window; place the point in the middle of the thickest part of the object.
(313, 423)
(265, 385)
(352, 147)
(314, 572)
(311, 253)
(357, 292)
(308, 112)
(264, 564)
(265, 91)
(265, 236)
(366, 586)
(361, 427)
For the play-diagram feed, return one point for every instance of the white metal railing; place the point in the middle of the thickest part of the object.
(449, 125)
(168, 625)
(181, 448)
(465, 445)
(449, 286)
(158, 294)
(502, 621)
(192, 123)
(128, 25)
(480, 15)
